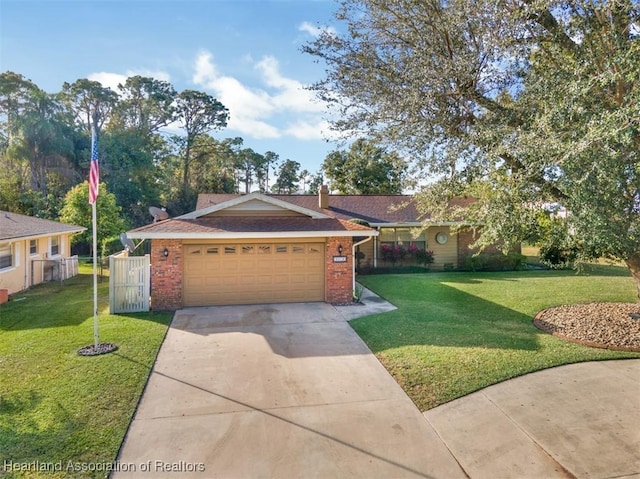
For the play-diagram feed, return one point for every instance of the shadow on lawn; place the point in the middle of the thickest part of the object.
(446, 316)
(53, 305)
(22, 438)
(587, 270)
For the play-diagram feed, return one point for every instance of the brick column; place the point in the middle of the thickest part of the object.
(339, 276)
(166, 274)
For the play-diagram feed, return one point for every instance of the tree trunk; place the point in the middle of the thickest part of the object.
(185, 171)
(633, 262)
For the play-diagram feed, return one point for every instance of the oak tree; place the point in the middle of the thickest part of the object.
(365, 169)
(521, 104)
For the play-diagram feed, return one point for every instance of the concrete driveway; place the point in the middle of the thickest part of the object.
(276, 391)
(290, 391)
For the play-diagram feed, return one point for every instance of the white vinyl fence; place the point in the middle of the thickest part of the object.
(129, 283)
(44, 270)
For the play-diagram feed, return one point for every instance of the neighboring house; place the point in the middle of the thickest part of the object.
(257, 248)
(33, 250)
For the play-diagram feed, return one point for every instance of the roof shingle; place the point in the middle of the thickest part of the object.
(14, 225)
(243, 224)
(371, 208)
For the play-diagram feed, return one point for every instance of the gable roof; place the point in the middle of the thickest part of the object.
(250, 200)
(14, 226)
(375, 209)
(251, 216)
(234, 227)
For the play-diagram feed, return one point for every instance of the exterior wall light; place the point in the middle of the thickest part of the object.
(340, 249)
(165, 252)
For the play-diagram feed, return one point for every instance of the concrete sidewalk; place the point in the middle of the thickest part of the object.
(580, 420)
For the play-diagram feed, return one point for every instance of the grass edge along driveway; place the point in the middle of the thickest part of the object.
(455, 333)
(60, 409)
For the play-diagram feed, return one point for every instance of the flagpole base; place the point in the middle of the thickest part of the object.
(96, 350)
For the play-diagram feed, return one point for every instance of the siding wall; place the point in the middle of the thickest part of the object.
(367, 249)
(19, 277)
(443, 254)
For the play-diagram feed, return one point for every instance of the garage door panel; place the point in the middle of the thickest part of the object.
(253, 273)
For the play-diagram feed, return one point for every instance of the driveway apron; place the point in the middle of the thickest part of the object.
(276, 391)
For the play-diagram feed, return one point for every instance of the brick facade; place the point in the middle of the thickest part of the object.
(339, 276)
(166, 274)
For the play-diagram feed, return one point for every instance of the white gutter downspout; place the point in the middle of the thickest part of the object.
(375, 249)
(353, 255)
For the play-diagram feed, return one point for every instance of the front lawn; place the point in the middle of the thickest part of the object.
(454, 333)
(56, 406)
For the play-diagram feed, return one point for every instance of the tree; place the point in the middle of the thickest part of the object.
(128, 168)
(365, 170)
(269, 159)
(315, 183)
(36, 147)
(287, 181)
(39, 139)
(91, 105)
(146, 104)
(132, 145)
(15, 94)
(90, 102)
(305, 178)
(77, 210)
(517, 103)
(199, 113)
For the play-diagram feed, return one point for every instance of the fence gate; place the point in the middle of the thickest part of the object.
(129, 283)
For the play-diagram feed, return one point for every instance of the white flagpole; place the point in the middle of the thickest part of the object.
(95, 274)
(94, 225)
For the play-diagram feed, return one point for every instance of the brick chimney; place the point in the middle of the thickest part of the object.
(323, 197)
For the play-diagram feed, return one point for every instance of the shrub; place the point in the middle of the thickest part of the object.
(399, 252)
(495, 262)
(424, 256)
(386, 252)
(368, 270)
(556, 257)
(111, 245)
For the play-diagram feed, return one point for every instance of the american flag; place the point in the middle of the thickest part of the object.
(94, 174)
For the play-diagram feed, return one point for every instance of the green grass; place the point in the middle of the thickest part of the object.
(56, 406)
(455, 333)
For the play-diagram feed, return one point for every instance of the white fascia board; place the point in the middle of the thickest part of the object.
(415, 224)
(253, 196)
(44, 235)
(252, 235)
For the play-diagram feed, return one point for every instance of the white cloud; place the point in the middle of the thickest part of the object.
(310, 130)
(112, 80)
(254, 111)
(246, 106)
(291, 95)
(314, 31)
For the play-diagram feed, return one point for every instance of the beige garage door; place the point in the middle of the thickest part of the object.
(249, 273)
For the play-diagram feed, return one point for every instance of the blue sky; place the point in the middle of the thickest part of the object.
(245, 53)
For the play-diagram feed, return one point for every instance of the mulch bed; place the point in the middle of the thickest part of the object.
(601, 325)
(92, 350)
